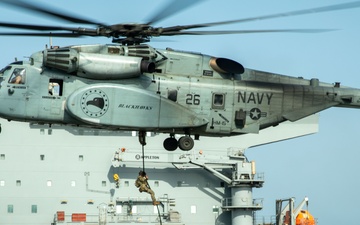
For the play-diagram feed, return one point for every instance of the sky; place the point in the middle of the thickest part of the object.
(323, 166)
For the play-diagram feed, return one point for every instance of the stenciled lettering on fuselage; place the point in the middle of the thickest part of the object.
(140, 107)
(254, 97)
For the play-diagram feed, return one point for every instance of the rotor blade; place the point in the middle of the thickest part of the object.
(293, 13)
(68, 35)
(171, 8)
(32, 26)
(76, 30)
(171, 33)
(48, 12)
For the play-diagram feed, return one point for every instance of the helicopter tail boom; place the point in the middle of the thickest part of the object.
(348, 98)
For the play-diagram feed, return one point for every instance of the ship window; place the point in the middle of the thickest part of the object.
(118, 209)
(33, 208)
(134, 209)
(49, 183)
(215, 209)
(55, 87)
(18, 183)
(103, 183)
(81, 158)
(126, 183)
(10, 208)
(42, 157)
(18, 76)
(2, 183)
(156, 183)
(193, 209)
(218, 101)
(2, 156)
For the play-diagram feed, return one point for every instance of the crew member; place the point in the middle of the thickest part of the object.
(117, 180)
(18, 76)
(142, 184)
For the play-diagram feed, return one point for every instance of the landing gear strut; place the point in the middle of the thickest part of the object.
(185, 143)
(142, 137)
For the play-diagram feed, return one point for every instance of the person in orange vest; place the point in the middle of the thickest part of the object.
(117, 180)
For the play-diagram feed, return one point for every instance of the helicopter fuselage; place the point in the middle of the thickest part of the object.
(145, 89)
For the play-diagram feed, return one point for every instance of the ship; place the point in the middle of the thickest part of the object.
(71, 175)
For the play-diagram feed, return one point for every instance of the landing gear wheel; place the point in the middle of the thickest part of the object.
(170, 144)
(186, 143)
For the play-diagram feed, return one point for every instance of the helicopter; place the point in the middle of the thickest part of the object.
(130, 85)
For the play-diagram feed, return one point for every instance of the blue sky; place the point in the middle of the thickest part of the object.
(323, 166)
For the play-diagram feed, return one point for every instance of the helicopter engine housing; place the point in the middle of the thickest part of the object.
(224, 65)
(96, 66)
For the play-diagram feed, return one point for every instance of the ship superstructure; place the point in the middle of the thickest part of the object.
(65, 175)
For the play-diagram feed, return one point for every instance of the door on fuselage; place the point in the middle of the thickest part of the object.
(52, 100)
(221, 112)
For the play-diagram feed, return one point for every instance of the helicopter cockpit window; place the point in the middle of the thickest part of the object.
(2, 74)
(218, 101)
(18, 76)
(4, 69)
(55, 87)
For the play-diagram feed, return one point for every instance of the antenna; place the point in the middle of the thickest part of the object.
(50, 41)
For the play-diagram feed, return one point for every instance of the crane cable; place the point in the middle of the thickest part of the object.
(143, 159)
(307, 212)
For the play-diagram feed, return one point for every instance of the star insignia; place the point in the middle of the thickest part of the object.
(255, 113)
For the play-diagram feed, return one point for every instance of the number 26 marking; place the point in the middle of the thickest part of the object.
(193, 99)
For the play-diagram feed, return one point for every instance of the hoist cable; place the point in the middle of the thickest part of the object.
(143, 159)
